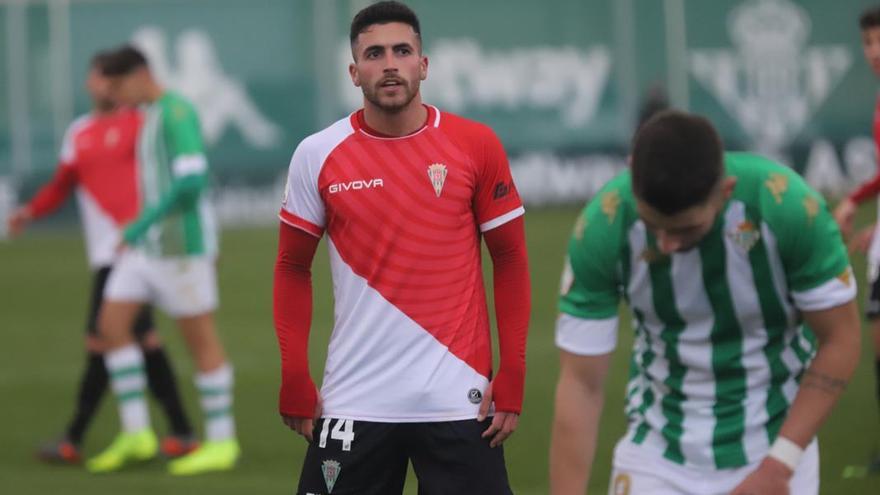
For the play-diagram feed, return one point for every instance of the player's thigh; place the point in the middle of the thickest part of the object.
(349, 457)
(99, 282)
(451, 457)
(185, 286)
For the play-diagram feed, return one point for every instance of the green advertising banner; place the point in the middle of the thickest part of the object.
(561, 81)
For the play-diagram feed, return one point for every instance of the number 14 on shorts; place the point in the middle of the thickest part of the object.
(343, 431)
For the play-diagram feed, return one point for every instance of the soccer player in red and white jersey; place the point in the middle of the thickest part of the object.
(98, 162)
(869, 23)
(405, 193)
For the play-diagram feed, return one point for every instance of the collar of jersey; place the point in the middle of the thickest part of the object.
(359, 123)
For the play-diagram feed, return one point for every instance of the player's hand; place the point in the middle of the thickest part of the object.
(304, 426)
(18, 220)
(503, 423)
(862, 240)
(844, 215)
(771, 478)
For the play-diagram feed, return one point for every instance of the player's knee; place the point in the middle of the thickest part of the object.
(150, 341)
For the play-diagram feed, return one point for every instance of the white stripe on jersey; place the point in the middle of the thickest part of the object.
(384, 362)
(747, 307)
(101, 232)
(695, 353)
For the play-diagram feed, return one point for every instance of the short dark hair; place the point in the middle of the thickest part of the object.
(123, 61)
(99, 60)
(677, 161)
(870, 18)
(383, 13)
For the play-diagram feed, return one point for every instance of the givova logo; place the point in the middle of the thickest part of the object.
(355, 185)
(772, 81)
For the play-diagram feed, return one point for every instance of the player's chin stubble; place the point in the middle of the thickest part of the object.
(372, 95)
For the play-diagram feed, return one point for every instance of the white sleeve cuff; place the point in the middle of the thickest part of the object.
(835, 292)
(189, 164)
(501, 220)
(586, 337)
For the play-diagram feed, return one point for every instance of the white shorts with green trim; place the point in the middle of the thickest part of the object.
(180, 286)
(640, 471)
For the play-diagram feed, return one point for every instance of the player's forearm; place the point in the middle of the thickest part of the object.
(823, 382)
(292, 311)
(53, 194)
(574, 436)
(184, 192)
(512, 291)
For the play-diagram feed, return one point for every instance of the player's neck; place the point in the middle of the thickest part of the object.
(154, 92)
(402, 123)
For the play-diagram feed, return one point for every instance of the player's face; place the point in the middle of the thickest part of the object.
(388, 65)
(98, 88)
(684, 230)
(871, 47)
(128, 89)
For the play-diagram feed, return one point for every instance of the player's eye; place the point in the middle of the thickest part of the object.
(403, 50)
(373, 54)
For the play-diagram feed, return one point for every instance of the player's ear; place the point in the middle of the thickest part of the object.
(353, 72)
(423, 68)
(727, 187)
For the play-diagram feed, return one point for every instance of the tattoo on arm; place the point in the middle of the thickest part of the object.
(823, 382)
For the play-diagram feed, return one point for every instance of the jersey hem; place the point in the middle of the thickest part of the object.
(397, 419)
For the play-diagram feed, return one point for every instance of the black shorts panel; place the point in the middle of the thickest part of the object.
(448, 458)
(872, 309)
(142, 324)
(372, 463)
(451, 458)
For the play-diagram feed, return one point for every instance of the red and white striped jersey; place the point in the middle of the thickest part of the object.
(411, 340)
(97, 159)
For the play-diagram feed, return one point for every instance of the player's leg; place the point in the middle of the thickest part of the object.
(452, 457)
(163, 385)
(349, 457)
(126, 293)
(187, 290)
(873, 315)
(92, 384)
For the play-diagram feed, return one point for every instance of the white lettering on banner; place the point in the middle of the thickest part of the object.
(464, 75)
(220, 99)
(355, 185)
(772, 82)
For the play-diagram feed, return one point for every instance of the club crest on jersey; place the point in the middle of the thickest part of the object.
(745, 235)
(475, 396)
(437, 173)
(331, 470)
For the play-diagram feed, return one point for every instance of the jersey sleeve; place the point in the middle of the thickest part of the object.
(302, 206)
(591, 284)
(497, 200)
(809, 243)
(184, 139)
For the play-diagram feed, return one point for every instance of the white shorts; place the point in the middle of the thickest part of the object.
(639, 471)
(181, 287)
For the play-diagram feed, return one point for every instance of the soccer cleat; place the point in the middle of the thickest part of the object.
(125, 449)
(175, 446)
(210, 456)
(61, 451)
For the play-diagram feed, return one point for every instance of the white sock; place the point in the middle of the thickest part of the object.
(215, 389)
(128, 380)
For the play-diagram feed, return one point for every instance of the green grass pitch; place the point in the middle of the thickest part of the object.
(43, 294)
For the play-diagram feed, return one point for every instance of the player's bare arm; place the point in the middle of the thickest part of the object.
(838, 332)
(580, 396)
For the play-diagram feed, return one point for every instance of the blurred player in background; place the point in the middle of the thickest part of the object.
(98, 162)
(720, 258)
(405, 193)
(168, 260)
(869, 22)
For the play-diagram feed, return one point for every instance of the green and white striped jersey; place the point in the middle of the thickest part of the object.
(719, 346)
(176, 218)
